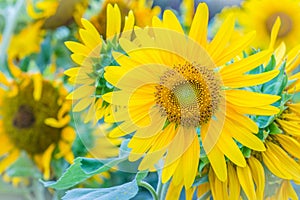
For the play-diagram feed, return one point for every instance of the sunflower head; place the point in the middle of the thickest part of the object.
(55, 13)
(260, 16)
(34, 118)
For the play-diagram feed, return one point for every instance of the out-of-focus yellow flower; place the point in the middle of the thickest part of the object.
(56, 13)
(260, 15)
(35, 119)
(26, 42)
(142, 11)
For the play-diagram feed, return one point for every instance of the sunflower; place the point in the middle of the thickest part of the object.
(87, 54)
(179, 91)
(19, 48)
(56, 13)
(34, 118)
(142, 11)
(260, 15)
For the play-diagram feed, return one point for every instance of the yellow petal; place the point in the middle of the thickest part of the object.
(38, 86)
(190, 160)
(83, 104)
(273, 164)
(6, 147)
(245, 177)
(8, 160)
(289, 164)
(171, 22)
(174, 191)
(217, 161)
(249, 99)
(122, 129)
(244, 136)
(46, 159)
(244, 65)
(242, 121)
(291, 145)
(266, 110)
(78, 48)
(90, 27)
(274, 32)
(250, 80)
(230, 149)
(235, 47)
(289, 127)
(217, 45)
(258, 174)
(68, 134)
(83, 91)
(113, 18)
(233, 183)
(128, 27)
(198, 30)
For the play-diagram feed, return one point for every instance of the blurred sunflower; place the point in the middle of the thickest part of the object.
(286, 191)
(56, 13)
(142, 11)
(34, 118)
(19, 48)
(88, 76)
(179, 92)
(259, 15)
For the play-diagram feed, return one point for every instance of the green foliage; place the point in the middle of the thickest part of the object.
(82, 169)
(122, 192)
(23, 167)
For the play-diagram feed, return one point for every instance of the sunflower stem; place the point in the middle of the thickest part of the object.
(149, 188)
(11, 16)
(159, 185)
(164, 190)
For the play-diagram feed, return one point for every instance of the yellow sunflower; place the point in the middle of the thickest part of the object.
(87, 54)
(260, 15)
(34, 118)
(179, 91)
(19, 47)
(56, 13)
(142, 11)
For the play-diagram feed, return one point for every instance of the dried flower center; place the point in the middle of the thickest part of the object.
(286, 24)
(188, 95)
(23, 118)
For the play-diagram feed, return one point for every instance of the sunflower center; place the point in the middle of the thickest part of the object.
(24, 118)
(286, 24)
(188, 95)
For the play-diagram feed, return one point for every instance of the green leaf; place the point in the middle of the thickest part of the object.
(122, 192)
(271, 65)
(246, 152)
(82, 169)
(141, 175)
(274, 129)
